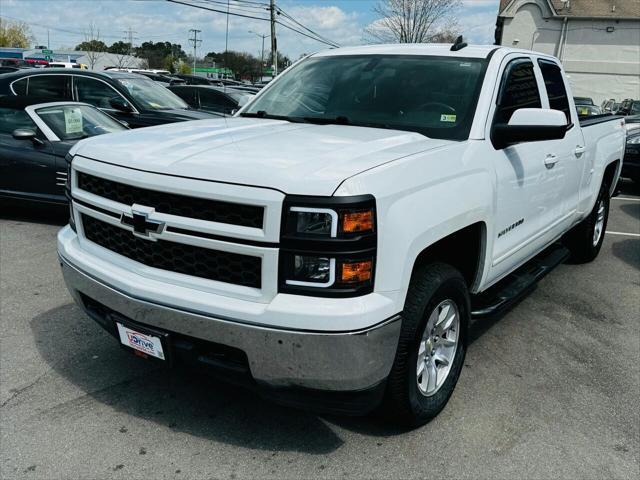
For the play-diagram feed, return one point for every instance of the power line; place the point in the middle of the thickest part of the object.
(211, 9)
(327, 40)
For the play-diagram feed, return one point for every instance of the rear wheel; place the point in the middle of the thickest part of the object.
(585, 239)
(432, 345)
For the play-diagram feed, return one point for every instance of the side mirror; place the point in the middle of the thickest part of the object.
(530, 125)
(120, 104)
(24, 134)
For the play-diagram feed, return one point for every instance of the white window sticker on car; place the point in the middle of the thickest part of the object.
(448, 118)
(72, 120)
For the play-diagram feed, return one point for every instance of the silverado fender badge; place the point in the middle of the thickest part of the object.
(511, 227)
(139, 221)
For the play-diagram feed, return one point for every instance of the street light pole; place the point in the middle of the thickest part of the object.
(262, 53)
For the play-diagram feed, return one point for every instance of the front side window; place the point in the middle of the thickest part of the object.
(12, 119)
(554, 85)
(151, 95)
(432, 95)
(73, 122)
(94, 92)
(519, 89)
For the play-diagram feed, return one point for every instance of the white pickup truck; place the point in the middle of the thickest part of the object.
(329, 245)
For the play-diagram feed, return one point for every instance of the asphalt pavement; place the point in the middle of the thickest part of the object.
(550, 390)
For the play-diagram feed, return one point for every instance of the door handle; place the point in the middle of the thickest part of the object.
(551, 161)
(579, 150)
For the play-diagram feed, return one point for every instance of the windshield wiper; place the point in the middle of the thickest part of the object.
(339, 120)
(264, 114)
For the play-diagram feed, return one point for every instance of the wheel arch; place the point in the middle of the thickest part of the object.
(464, 249)
(611, 175)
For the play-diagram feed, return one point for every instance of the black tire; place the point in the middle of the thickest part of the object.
(580, 240)
(431, 284)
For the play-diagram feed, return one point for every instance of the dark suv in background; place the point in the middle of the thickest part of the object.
(129, 97)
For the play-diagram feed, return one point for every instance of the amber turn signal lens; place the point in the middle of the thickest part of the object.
(353, 222)
(356, 272)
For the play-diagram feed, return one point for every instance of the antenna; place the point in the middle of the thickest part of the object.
(459, 45)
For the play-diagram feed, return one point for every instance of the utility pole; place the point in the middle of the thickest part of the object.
(129, 38)
(274, 43)
(195, 42)
(226, 41)
(48, 44)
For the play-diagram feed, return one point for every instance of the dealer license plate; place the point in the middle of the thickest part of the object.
(145, 343)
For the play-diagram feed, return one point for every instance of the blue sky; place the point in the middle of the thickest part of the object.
(342, 21)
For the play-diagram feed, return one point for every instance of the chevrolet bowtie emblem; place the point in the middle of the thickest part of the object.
(141, 223)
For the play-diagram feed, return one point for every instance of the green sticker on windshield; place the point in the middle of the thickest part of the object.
(448, 118)
(72, 120)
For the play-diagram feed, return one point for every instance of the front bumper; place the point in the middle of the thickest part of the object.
(277, 358)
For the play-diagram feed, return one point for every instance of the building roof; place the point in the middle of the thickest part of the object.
(588, 8)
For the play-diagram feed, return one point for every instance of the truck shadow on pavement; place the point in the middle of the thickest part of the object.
(34, 213)
(176, 400)
(183, 400)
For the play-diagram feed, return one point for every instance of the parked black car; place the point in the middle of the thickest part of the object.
(8, 65)
(129, 97)
(583, 101)
(212, 99)
(629, 106)
(631, 162)
(193, 79)
(34, 139)
(164, 80)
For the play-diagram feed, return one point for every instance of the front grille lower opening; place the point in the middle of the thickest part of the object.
(234, 268)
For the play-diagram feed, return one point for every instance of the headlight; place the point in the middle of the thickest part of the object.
(313, 221)
(312, 271)
(635, 140)
(328, 245)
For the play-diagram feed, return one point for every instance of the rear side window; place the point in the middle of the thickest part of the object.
(53, 86)
(20, 86)
(554, 85)
(518, 90)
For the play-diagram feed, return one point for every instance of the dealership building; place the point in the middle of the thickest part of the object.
(598, 41)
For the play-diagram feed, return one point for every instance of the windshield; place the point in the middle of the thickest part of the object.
(73, 122)
(435, 96)
(152, 96)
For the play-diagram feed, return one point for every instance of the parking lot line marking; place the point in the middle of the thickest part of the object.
(627, 199)
(624, 233)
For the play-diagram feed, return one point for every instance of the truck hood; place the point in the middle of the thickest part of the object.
(295, 158)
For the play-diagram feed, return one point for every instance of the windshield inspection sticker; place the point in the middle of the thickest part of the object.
(448, 118)
(73, 120)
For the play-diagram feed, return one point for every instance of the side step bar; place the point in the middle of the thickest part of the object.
(515, 285)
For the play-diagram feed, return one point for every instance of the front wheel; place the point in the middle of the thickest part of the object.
(585, 239)
(432, 345)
